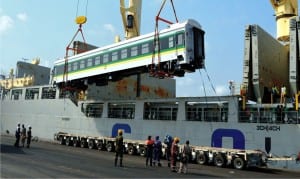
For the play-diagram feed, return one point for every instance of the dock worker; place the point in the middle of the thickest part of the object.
(282, 94)
(29, 136)
(274, 94)
(174, 153)
(149, 150)
(119, 148)
(168, 141)
(18, 134)
(157, 151)
(23, 135)
(185, 157)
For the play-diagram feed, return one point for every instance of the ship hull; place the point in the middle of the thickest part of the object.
(50, 116)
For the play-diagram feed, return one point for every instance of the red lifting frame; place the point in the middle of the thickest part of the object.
(153, 71)
(65, 76)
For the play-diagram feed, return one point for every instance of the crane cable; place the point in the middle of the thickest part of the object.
(86, 6)
(212, 86)
(156, 72)
(65, 75)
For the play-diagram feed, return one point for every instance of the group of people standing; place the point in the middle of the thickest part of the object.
(154, 152)
(275, 93)
(173, 152)
(22, 134)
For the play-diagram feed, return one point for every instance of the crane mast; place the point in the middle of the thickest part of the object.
(284, 10)
(131, 17)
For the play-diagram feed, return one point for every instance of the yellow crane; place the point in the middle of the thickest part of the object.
(284, 10)
(131, 17)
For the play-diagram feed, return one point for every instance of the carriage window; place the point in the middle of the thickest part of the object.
(75, 66)
(124, 53)
(114, 56)
(59, 70)
(82, 64)
(171, 42)
(105, 58)
(134, 51)
(179, 39)
(89, 62)
(145, 48)
(69, 67)
(97, 60)
(156, 46)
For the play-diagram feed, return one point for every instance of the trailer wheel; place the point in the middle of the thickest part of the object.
(75, 142)
(142, 152)
(68, 141)
(61, 140)
(91, 144)
(219, 160)
(109, 147)
(100, 145)
(201, 159)
(82, 143)
(238, 163)
(131, 150)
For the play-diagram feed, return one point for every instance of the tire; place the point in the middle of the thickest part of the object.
(201, 158)
(68, 141)
(131, 150)
(142, 152)
(75, 142)
(238, 163)
(100, 145)
(61, 140)
(82, 143)
(91, 144)
(109, 147)
(219, 160)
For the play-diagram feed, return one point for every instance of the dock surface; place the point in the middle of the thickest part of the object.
(51, 160)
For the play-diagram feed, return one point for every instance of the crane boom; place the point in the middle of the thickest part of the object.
(131, 17)
(284, 10)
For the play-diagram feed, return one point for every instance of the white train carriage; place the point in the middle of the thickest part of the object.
(181, 50)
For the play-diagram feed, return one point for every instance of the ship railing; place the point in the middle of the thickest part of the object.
(92, 109)
(284, 117)
(2, 93)
(70, 95)
(48, 93)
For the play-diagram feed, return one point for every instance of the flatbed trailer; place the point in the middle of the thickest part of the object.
(220, 157)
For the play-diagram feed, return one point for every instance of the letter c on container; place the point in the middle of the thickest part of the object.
(125, 127)
(237, 136)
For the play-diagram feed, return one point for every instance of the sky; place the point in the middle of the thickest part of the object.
(43, 28)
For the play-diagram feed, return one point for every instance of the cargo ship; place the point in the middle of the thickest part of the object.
(124, 86)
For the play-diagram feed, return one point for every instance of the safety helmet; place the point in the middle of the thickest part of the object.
(120, 132)
(176, 139)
